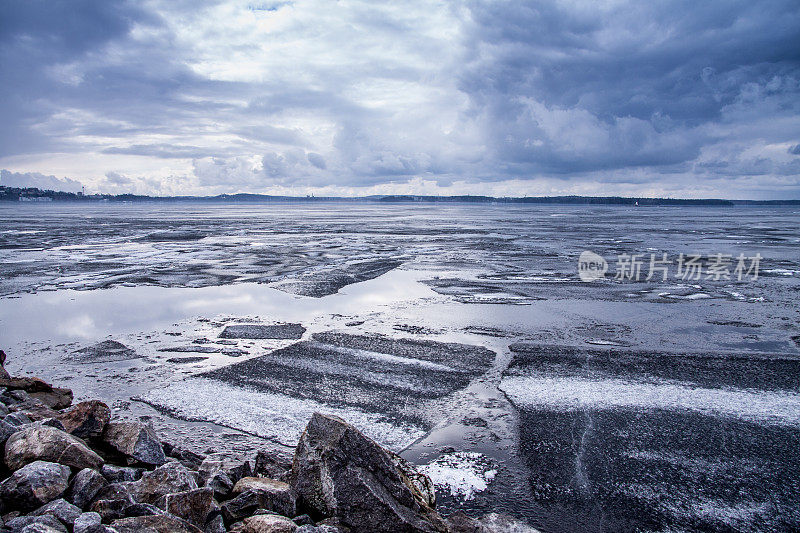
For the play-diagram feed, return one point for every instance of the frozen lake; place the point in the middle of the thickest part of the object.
(460, 334)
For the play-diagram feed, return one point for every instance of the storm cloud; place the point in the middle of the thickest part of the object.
(671, 98)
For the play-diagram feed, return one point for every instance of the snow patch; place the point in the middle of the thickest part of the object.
(461, 473)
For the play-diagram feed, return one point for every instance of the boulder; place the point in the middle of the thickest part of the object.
(166, 479)
(250, 501)
(215, 524)
(45, 443)
(136, 441)
(61, 509)
(86, 419)
(86, 522)
(190, 505)
(34, 485)
(221, 462)
(6, 430)
(266, 523)
(276, 495)
(339, 472)
(85, 485)
(17, 419)
(3, 410)
(142, 509)
(36, 524)
(53, 397)
(221, 484)
(154, 524)
(116, 474)
(272, 466)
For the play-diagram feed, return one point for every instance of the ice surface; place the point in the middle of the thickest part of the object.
(585, 393)
(274, 416)
(461, 473)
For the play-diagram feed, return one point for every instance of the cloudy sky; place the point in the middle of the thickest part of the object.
(669, 98)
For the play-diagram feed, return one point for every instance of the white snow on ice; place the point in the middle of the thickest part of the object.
(777, 407)
(461, 473)
(273, 416)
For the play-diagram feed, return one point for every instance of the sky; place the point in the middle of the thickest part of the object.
(673, 98)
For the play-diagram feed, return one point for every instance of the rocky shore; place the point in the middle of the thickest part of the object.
(75, 469)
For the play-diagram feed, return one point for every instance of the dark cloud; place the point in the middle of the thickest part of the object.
(671, 93)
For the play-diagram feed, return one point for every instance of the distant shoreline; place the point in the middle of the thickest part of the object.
(33, 195)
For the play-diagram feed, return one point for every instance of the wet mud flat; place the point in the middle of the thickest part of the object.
(635, 440)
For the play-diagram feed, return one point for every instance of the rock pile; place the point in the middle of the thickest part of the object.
(71, 469)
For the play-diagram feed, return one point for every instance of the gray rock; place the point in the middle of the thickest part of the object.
(339, 472)
(53, 423)
(193, 506)
(116, 474)
(323, 528)
(136, 441)
(263, 331)
(45, 443)
(3, 410)
(85, 522)
(142, 509)
(278, 496)
(34, 485)
(154, 524)
(17, 419)
(35, 524)
(266, 523)
(221, 462)
(85, 486)
(303, 520)
(61, 509)
(166, 479)
(221, 484)
(6, 430)
(86, 419)
(110, 509)
(250, 501)
(272, 466)
(215, 524)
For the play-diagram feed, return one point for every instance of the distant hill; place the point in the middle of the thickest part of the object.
(13, 194)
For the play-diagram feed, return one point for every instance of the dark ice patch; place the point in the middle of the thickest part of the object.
(185, 360)
(175, 236)
(103, 352)
(390, 377)
(263, 331)
(714, 370)
(195, 348)
(326, 282)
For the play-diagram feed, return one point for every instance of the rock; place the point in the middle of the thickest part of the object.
(154, 524)
(303, 520)
(266, 523)
(271, 466)
(136, 441)
(2, 358)
(45, 443)
(116, 474)
(53, 397)
(85, 485)
(32, 524)
(85, 522)
(17, 419)
(86, 419)
(191, 505)
(221, 484)
(248, 502)
(6, 430)
(4, 373)
(110, 509)
(339, 472)
(34, 485)
(61, 509)
(318, 529)
(278, 496)
(215, 524)
(3, 410)
(220, 462)
(53, 423)
(166, 479)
